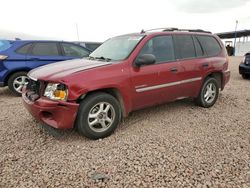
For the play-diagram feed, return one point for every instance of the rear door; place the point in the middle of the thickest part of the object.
(157, 83)
(190, 56)
(43, 53)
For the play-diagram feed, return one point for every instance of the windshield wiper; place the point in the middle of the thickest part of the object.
(100, 58)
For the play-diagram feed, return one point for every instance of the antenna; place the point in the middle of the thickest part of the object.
(77, 32)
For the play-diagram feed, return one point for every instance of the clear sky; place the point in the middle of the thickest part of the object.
(99, 20)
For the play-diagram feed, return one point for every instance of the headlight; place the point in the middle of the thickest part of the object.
(56, 91)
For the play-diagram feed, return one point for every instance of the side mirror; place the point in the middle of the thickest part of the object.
(145, 59)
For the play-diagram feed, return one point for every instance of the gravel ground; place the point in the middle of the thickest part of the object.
(171, 145)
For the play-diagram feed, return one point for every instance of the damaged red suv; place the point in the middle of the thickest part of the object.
(124, 74)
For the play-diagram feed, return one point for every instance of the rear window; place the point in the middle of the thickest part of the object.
(4, 45)
(210, 45)
(24, 49)
(198, 49)
(45, 49)
(185, 46)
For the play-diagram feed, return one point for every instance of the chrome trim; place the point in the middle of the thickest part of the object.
(168, 84)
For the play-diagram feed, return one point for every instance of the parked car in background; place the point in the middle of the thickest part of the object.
(89, 45)
(244, 67)
(19, 57)
(128, 73)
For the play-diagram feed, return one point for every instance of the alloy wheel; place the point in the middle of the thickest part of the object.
(101, 117)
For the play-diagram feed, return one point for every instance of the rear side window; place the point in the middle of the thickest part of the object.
(4, 45)
(73, 50)
(45, 49)
(161, 47)
(198, 49)
(184, 46)
(210, 45)
(24, 49)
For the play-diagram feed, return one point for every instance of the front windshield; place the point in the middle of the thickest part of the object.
(117, 48)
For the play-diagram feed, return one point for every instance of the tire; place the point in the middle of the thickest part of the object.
(92, 111)
(212, 95)
(245, 76)
(16, 81)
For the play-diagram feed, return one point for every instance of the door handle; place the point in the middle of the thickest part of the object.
(204, 65)
(174, 69)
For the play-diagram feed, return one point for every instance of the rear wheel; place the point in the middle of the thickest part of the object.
(245, 76)
(209, 93)
(98, 116)
(17, 81)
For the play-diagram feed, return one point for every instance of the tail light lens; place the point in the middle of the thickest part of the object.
(3, 57)
(247, 60)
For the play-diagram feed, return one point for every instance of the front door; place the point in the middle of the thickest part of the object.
(157, 83)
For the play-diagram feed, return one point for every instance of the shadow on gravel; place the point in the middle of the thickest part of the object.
(133, 118)
(57, 133)
(5, 92)
(172, 107)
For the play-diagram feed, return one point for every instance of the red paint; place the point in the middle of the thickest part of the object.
(125, 78)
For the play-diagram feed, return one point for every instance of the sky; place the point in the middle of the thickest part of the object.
(98, 20)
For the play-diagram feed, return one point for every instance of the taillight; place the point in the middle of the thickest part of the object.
(3, 57)
(247, 60)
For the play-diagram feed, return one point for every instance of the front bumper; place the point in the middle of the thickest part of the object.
(244, 69)
(57, 114)
(226, 77)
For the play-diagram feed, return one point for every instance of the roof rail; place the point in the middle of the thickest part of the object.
(175, 29)
(194, 30)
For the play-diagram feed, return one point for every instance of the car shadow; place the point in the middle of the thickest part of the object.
(126, 124)
(5, 92)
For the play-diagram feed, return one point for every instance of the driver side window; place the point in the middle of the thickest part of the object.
(161, 47)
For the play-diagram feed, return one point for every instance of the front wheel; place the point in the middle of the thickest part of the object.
(17, 81)
(209, 93)
(98, 116)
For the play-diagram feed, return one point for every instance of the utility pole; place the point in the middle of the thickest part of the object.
(77, 32)
(235, 36)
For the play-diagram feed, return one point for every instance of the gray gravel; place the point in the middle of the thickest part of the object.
(172, 145)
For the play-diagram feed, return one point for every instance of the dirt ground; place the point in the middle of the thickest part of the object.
(171, 145)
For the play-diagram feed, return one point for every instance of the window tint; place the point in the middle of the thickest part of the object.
(24, 49)
(199, 51)
(45, 49)
(73, 50)
(210, 45)
(161, 47)
(185, 46)
(92, 46)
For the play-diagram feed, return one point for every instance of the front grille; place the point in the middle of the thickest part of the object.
(33, 90)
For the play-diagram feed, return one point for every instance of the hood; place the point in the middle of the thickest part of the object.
(61, 69)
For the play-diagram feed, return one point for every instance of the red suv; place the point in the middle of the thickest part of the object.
(124, 74)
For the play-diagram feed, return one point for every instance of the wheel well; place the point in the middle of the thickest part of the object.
(11, 73)
(112, 91)
(217, 76)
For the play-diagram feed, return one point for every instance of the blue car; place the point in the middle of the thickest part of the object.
(17, 58)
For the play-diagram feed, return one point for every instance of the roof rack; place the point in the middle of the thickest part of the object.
(176, 29)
